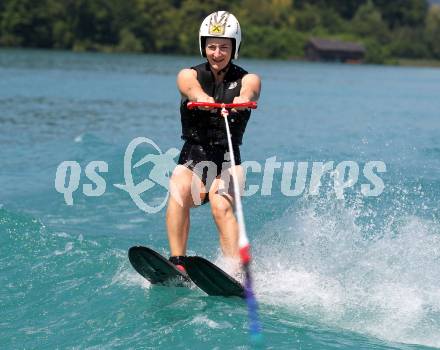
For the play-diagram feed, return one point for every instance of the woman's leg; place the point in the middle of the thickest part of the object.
(221, 196)
(183, 184)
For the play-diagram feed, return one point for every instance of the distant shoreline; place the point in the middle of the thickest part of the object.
(408, 62)
(404, 62)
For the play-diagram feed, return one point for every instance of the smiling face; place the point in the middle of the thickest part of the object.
(218, 52)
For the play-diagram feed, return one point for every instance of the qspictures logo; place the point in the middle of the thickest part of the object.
(307, 180)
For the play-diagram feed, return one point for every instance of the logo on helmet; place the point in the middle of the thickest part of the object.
(216, 29)
(217, 25)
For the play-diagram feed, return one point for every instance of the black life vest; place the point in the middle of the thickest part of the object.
(208, 127)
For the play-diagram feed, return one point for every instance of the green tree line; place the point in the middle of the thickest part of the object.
(271, 28)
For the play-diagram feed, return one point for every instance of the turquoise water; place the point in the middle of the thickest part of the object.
(353, 273)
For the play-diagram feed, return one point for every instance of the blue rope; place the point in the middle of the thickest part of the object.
(251, 301)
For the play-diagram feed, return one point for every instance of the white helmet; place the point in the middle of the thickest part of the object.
(220, 24)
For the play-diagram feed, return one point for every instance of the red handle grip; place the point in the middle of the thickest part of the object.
(192, 105)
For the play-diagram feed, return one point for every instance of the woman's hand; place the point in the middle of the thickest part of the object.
(250, 90)
(204, 98)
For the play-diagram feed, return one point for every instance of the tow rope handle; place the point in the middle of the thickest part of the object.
(193, 105)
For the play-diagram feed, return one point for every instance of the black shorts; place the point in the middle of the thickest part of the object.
(207, 161)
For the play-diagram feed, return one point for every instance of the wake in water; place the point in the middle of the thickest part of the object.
(323, 262)
(315, 266)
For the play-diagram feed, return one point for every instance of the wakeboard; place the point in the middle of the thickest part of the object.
(155, 268)
(211, 279)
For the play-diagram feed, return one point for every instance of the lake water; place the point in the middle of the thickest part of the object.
(357, 272)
